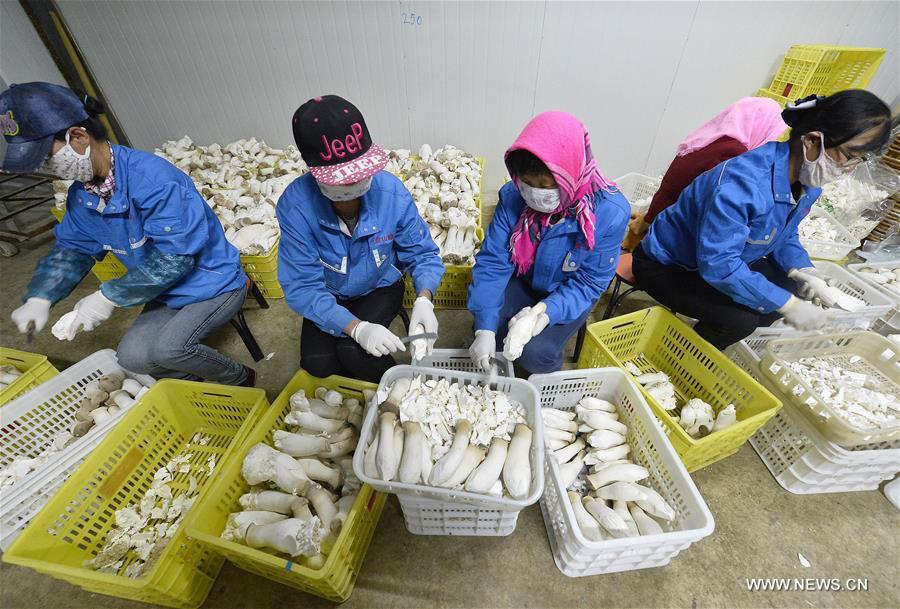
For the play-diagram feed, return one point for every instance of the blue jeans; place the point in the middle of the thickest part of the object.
(544, 352)
(165, 343)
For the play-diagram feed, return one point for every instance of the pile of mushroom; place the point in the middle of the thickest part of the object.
(696, 417)
(444, 184)
(104, 398)
(304, 488)
(854, 203)
(607, 500)
(241, 182)
(863, 400)
(397, 159)
(819, 228)
(445, 434)
(8, 376)
(144, 529)
(884, 276)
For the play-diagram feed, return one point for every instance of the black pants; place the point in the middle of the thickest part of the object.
(322, 354)
(721, 320)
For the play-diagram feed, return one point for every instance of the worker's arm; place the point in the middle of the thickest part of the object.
(416, 251)
(720, 240)
(580, 291)
(302, 276)
(493, 265)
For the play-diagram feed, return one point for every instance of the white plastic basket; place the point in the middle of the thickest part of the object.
(864, 352)
(28, 425)
(459, 359)
(441, 511)
(830, 250)
(801, 460)
(877, 304)
(575, 555)
(756, 343)
(891, 317)
(637, 186)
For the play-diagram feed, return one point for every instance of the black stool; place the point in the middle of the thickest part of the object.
(240, 324)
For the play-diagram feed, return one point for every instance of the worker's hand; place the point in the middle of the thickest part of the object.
(483, 348)
(525, 325)
(812, 286)
(376, 339)
(423, 320)
(637, 228)
(90, 311)
(35, 310)
(804, 315)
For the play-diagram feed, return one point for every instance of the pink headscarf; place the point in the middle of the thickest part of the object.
(753, 121)
(562, 143)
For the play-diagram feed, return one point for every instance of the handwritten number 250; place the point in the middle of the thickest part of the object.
(412, 19)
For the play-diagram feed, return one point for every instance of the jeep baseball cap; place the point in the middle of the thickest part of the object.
(30, 114)
(333, 139)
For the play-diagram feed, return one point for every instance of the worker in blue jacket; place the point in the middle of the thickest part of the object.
(148, 213)
(550, 250)
(349, 232)
(728, 254)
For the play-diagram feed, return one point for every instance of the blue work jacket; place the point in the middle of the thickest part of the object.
(731, 216)
(319, 263)
(155, 203)
(572, 276)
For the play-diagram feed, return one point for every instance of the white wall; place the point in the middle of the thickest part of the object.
(23, 56)
(640, 74)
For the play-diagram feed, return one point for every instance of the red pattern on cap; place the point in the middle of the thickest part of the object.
(360, 168)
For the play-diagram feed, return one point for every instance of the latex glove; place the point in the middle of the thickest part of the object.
(90, 311)
(803, 315)
(376, 339)
(35, 310)
(812, 286)
(422, 320)
(525, 325)
(483, 348)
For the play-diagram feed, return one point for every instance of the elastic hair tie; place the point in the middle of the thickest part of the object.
(805, 103)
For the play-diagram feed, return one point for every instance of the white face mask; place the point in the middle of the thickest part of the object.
(345, 192)
(544, 200)
(69, 165)
(823, 170)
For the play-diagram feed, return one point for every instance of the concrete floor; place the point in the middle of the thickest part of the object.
(760, 528)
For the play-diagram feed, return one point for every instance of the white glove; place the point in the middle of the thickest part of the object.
(483, 348)
(803, 315)
(376, 339)
(90, 311)
(35, 310)
(525, 325)
(422, 321)
(812, 286)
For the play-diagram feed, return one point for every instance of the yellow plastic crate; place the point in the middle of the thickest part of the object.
(453, 289)
(824, 69)
(73, 526)
(655, 340)
(263, 270)
(335, 579)
(35, 370)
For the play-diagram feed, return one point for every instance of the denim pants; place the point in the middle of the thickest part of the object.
(544, 352)
(165, 343)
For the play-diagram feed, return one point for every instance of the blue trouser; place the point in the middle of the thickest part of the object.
(165, 343)
(544, 352)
